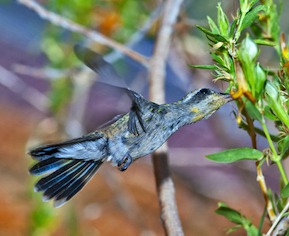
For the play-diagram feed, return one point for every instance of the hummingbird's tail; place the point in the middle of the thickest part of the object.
(65, 174)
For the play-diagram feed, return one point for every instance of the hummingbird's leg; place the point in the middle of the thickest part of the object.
(125, 163)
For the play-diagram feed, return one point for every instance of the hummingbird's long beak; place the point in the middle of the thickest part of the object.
(227, 97)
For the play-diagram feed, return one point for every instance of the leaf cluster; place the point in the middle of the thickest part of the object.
(261, 93)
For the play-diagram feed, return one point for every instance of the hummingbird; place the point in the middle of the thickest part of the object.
(67, 166)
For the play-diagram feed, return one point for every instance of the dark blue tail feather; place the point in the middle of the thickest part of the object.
(62, 184)
(63, 177)
(76, 184)
(56, 176)
(46, 166)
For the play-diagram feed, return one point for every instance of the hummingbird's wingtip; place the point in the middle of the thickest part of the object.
(78, 49)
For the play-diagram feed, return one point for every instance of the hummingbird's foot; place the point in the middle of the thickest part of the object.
(124, 164)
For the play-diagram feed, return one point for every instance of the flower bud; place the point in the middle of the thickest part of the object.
(260, 79)
(249, 48)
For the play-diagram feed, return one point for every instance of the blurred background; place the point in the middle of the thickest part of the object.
(46, 95)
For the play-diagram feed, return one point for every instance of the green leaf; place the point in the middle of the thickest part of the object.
(268, 114)
(283, 147)
(264, 42)
(252, 110)
(237, 218)
(205, 67)
(216, 37)
(273, 100)
(223, 21)
(233, 28)
(231, 214)
(274, 22)
(253, 2)
(233, 229)
(236, 154)
(251, 230)
(218, 59)
(260, 78)
(205, 30)
(285, 191)
(251, 16)
(213, 26)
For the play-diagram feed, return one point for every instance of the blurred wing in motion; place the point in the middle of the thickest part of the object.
(95, 61)
(109, 76)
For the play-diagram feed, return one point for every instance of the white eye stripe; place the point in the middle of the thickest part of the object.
(189, 96)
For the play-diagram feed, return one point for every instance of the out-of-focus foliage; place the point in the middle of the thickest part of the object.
(116, 19)
(43, 218)
(60, 94)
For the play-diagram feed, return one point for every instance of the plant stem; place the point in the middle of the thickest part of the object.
(279, 218)
(260, 176)
(276, 158)
(282, 172)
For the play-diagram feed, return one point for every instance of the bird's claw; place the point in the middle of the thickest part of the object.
(125, 163)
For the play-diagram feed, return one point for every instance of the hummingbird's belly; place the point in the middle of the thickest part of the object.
(124, 143)
(134, 146)
(147, 144)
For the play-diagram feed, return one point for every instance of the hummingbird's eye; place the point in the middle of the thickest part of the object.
(206, 91)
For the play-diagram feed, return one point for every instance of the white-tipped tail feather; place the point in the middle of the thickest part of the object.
(67, 167)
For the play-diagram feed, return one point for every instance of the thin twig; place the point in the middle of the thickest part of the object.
(164, 182)
(278, 219)
(282, 227)
(48, 73)
(74, 27)
(29, 94)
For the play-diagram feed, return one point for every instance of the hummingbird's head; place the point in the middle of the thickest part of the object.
(202, 103)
